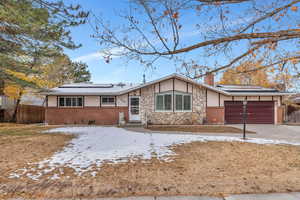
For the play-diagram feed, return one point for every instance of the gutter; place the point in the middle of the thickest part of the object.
(261, 94)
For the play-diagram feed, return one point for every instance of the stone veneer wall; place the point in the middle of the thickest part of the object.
(172, 118)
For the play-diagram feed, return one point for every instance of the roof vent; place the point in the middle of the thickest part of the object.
(121, 84)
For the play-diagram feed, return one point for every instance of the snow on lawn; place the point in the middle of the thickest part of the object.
(95, 145)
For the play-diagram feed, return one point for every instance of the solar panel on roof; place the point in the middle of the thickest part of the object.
(87, 86)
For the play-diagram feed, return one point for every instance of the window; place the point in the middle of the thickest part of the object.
(163, 102)
(183, 102)
(108, 100)
(70, 101)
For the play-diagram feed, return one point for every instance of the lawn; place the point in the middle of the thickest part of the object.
(21, 144)
(195, 167)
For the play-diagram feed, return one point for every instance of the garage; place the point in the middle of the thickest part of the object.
(258, 112)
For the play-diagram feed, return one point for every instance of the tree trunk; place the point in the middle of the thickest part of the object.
(14, 117)
(1, 87)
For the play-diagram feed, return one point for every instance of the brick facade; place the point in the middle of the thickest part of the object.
(215, 115)
(86, 115)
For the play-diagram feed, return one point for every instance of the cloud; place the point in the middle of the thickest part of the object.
(116, 52)
(89, 57)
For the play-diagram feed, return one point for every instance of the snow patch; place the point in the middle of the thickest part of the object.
(96, 145)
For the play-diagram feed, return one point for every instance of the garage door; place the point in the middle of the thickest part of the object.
(259, 112)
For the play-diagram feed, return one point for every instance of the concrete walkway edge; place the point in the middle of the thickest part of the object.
(271, 196)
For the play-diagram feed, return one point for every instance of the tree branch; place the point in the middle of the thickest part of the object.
(250, 51)
(269, 14)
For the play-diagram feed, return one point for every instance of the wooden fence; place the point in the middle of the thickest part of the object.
(1, 115)
(294, 117)
(30, 114)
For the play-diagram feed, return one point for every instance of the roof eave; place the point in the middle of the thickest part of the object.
(81, 94)
(261, 94)
(177, 76)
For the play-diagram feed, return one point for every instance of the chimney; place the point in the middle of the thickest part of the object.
(209, 79)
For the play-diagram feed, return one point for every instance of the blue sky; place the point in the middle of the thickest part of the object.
(117, 70)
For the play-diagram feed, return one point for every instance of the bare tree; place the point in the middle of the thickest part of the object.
(205, 35)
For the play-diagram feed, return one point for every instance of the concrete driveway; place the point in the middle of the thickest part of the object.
(265, 131)
(275, 132)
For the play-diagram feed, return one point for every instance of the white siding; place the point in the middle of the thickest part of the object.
(238, 98)
(190, 88)
(263, 98)
(166, 85)
(180, 85)
(212, 98)
(52, 101)
(92, 101)
(255, 98)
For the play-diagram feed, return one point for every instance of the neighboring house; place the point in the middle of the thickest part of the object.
(293, 109)
(7, 106)
(174, 99)
(32, 99)
(31, 108)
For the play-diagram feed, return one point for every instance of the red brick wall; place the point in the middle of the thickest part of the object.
(215, 115)
(101, 116)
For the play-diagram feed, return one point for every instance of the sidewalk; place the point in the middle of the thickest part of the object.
(271, 196)
(274, 196)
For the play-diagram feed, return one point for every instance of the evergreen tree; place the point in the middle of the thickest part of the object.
(80, 72)
(32, 30)
(32, 34)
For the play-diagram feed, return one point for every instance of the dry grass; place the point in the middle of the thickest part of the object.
(21, 144)
(211, 168)
(198, 129)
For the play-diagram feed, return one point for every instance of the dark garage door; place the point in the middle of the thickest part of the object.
(259, 112)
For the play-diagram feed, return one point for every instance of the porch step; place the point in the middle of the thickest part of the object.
(134, 124)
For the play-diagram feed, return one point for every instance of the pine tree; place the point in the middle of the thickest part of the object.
(33, 32)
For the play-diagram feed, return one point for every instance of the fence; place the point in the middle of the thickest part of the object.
(30, 114)
(1, 115)
(294, 117)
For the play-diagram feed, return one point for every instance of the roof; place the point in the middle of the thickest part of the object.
(250, 90)
(89, 89)
(119, 89)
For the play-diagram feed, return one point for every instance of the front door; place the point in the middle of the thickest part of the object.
(134, 108)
